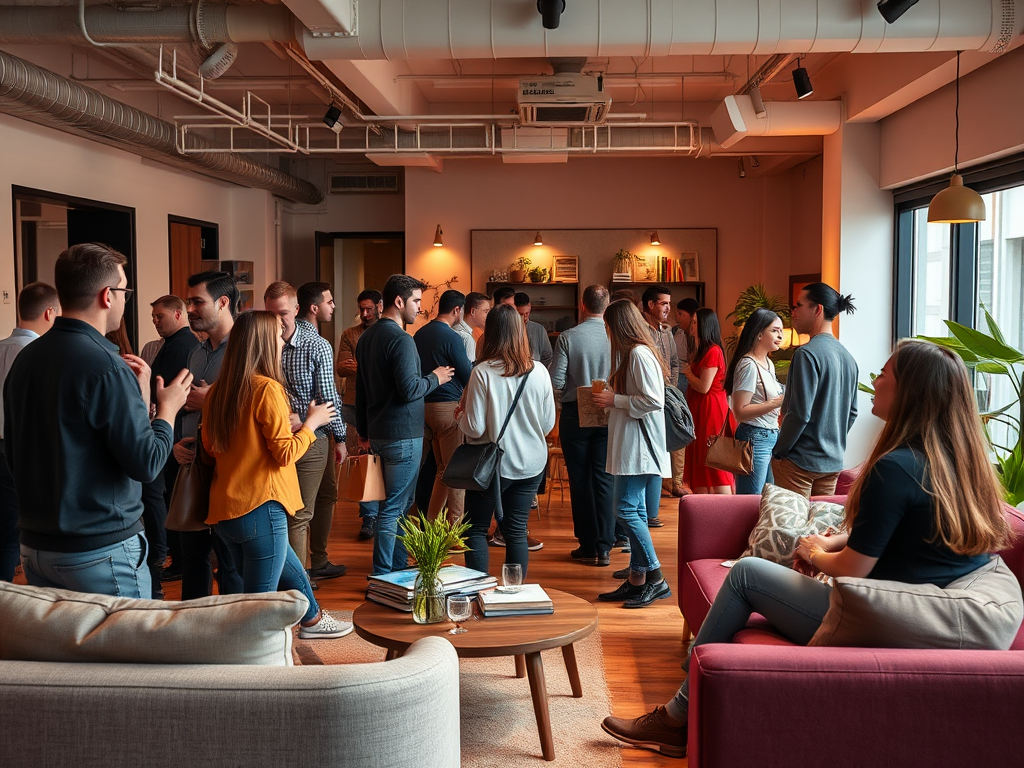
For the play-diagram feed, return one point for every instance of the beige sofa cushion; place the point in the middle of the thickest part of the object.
(981, 610)
(58, 625)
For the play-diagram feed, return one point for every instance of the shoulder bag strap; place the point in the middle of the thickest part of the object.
(499, 512)
(515, 402)
(650, 445)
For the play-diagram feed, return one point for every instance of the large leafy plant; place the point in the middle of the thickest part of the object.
(990, 353)
(754, 297)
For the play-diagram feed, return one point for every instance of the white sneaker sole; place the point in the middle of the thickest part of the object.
(304, 634)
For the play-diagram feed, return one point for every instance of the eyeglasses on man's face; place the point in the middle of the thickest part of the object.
(126, 291)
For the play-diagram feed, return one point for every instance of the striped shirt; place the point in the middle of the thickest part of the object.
(308, 365)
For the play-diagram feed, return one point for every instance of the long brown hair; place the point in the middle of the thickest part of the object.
(934, 409)
(251, 351)
(627, 329)
(505, 340)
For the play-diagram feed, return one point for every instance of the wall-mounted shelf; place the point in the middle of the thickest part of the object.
(554, 305)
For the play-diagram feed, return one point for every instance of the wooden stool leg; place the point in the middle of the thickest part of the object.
(520, 666)
(391, 654)
(686, 634)
(538, 688)
(569, 656)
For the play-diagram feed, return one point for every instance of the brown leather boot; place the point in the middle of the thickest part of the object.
(652, 731)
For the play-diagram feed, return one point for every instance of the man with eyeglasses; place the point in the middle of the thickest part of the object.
(70, 395)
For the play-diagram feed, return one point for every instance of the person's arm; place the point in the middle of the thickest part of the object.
(472, 412)
(324, 390)
(801, 386)
(650, 385)
(545, 347)
(853, 401)
(673, 360)
(710, 364)
(361, 384)
(410, 383)
(559, 364)
(745, 381)
(345, 361)
(460, 360)
(271, 409)
(470, 344)
(547, 408)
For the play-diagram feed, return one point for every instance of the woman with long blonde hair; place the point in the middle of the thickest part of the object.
(637, 458)
(926, 509)
(504, 364)
(246, 429)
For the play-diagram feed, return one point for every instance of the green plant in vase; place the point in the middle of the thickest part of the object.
(428, 542)
(538, 274)
(517, 269)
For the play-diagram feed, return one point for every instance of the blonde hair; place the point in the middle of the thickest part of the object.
(252, 351)
(627, 329)
(505, 340)
(934, 409)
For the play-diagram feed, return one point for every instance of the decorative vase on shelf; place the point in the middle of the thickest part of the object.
(517, 276)
(428, 599)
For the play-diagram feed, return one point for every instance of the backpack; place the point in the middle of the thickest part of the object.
(678, 420)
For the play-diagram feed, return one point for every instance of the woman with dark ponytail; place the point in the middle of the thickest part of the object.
(820, 405)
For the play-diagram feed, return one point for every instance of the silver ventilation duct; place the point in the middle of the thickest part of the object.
(40, 96)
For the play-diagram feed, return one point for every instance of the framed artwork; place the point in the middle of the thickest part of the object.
(565, 269)
(798, 282)
(241, 271)
(690, 266)
(246, 299)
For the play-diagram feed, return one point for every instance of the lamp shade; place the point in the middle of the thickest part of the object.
(538, 240)
(438, 242)
(655, 240)
(956, 204)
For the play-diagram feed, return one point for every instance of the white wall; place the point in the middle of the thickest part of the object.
(46, 159)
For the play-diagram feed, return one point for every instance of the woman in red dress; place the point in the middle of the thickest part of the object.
(708, 404)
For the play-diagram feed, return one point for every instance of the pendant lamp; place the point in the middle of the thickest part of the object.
(956, 204)
(438, 242)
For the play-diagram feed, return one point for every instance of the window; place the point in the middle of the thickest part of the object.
(932, 259)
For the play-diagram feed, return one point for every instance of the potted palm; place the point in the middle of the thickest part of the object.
(428, 542)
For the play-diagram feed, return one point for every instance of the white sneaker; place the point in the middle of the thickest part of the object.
(326, 629)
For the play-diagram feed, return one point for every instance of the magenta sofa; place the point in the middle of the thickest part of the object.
(762, 701)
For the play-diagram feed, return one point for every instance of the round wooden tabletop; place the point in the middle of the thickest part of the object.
(573, 619)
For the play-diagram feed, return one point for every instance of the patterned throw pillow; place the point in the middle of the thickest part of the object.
(785, 517)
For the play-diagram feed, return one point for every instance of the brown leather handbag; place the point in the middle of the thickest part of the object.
(190, 499)
(729, 454)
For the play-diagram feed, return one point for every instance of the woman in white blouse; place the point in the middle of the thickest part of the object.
(637, 458)
(503, 361)
(756, 395)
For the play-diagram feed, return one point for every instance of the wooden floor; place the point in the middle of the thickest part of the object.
(642, 649)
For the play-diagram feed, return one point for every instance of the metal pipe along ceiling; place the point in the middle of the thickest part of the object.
(497, 29)
(38, 95)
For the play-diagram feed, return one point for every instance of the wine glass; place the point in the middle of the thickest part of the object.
(459, 609)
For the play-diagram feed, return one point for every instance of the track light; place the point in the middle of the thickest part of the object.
(655, 240)
(743, 170)
(893, 9)
(802, 82)
(537, 239)
(550, 10)
(754, 162)
(757, 103)
(438, 242)
(332, 118)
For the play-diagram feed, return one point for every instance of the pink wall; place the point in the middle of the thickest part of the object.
(754, 217)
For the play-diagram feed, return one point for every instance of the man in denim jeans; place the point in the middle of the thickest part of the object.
(389, 410)
(70, 395)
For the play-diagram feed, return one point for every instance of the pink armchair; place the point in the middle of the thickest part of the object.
(762, 701)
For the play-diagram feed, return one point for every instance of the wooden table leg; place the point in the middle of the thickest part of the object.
(569, 655)
(520, 666)
(391, 654)
(539, 690)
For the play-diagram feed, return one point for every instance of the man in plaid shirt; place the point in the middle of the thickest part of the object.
(308, 366)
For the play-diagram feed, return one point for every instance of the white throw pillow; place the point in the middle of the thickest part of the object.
(785, 517)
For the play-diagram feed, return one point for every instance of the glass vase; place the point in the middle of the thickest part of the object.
(427, 599)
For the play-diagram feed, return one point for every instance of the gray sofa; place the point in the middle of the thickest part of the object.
(388, 714)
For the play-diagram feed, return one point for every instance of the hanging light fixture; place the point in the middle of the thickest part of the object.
(537, 240)
(438, 242)
(802, 82)
(956, 204)
(655, 240)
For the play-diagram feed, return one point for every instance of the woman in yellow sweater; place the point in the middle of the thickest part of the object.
(246, 429)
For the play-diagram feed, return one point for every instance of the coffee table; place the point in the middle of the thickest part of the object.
(523, 637)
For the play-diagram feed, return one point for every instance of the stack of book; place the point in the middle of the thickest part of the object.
(396, 589)
(530, 599)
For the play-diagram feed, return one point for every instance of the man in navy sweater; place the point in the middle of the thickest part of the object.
(389, 410)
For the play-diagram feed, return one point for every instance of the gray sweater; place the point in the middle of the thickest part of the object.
(582, 354)
(540, 344)
(820, 406)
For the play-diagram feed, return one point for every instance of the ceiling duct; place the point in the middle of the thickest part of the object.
(38, 95)
(400, 30)
(736, 118)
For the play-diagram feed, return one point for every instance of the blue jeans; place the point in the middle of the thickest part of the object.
(9, 550)
(516, 497)
(258, 542)
(119, 570)
(401, 460)
(632, 494)
(367, 509)
(794, 604)
(762, 441)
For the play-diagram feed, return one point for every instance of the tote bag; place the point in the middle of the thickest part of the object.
(190, 498)
(364, 478)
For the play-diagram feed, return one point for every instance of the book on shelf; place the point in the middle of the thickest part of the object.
(530, 599)
(622, 277)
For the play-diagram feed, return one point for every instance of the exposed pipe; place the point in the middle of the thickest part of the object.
(38, 95)
(499, 29)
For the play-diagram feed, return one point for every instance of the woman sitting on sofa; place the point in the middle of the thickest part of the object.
(927, 508)
(246, 428)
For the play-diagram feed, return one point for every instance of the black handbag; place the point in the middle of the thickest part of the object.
(476, 466)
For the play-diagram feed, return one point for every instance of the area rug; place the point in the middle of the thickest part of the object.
(498, 724)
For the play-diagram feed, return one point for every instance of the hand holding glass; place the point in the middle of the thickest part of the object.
(459, 609)
(511, 577)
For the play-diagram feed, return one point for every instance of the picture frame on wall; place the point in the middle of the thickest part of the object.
(240, 271)
(565, 269)
(798, 282)
(246, 300)
(690, 266)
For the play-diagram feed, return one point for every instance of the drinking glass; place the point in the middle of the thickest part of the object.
(459, 609)
(511, 577)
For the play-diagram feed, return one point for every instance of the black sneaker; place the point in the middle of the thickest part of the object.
(366, 531)
(625, 591)
(579, 555)
(655, 522)
(328, 571)
(603, 559)
(648, 594)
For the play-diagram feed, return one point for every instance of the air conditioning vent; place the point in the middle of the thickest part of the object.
(363, 183)
(561, 99)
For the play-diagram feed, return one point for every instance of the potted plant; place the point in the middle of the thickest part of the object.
(624, 261)
(755, 297)
(428, 542)
(517, 269)
(538, 275)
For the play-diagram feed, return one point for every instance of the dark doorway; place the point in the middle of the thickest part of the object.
(193, 248)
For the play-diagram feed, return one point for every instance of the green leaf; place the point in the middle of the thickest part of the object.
(966, 355)
(991, 366)
(992, 327)
(865, 388)
(983, 345)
